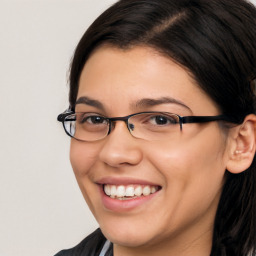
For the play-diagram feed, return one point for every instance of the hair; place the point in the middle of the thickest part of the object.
(215, 41)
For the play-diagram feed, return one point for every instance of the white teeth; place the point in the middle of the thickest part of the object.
(138, 191)
(112, 191)
(107, 190)
(120, 192)
(153, 190)
(146, 191)
(130, 191)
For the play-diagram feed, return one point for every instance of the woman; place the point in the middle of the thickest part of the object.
(162, 115)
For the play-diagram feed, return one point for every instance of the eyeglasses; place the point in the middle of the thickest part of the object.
(88, 126)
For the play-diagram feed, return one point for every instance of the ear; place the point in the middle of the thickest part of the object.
(242, 145)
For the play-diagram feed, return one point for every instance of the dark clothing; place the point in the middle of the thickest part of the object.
(90, 246)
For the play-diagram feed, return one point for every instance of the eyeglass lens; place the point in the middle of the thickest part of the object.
(148, 126)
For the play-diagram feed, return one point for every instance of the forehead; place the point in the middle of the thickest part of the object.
(118, 77)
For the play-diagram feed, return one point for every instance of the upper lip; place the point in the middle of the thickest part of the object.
(124, 181)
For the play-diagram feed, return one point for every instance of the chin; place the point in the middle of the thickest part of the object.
(127, 233)
(127, 239)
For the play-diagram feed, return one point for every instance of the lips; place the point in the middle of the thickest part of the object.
(126, 194)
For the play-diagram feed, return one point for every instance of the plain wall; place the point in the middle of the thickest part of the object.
(41, 207)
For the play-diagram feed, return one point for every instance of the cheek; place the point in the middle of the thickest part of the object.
(194, 154)
(193, 170)
(82, 157)
(193, 174)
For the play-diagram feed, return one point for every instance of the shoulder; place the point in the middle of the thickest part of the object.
(91, 245)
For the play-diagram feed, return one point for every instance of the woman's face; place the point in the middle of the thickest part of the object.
(183, 174)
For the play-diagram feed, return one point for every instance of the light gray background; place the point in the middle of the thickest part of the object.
(41, 207)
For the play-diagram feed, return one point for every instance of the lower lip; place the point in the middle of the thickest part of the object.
(117, 205)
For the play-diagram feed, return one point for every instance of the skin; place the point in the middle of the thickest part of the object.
(189, 167)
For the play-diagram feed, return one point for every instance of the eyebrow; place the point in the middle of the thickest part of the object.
(88, 101)
(147, 102)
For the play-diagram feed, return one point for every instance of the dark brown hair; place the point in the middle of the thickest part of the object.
(215, 40)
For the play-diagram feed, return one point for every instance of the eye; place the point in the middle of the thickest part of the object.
(163, 120)
(95, 119)
(92, 119)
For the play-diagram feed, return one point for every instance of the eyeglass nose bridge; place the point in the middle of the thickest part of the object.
(125, 119)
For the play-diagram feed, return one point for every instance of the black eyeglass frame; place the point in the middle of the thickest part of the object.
(182, 119)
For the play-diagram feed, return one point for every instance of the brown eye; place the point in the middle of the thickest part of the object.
(162, 120)
(91, 119)
(95, 119)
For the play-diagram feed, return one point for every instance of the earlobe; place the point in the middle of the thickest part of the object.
(243, 145)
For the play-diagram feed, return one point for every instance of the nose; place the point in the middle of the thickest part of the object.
(120, 147)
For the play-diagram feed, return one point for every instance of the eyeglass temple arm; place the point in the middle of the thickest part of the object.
(204, 119)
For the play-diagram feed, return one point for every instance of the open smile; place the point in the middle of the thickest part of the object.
(123, 196)
(128, 192)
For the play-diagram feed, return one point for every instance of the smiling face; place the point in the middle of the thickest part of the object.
(181, 177)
